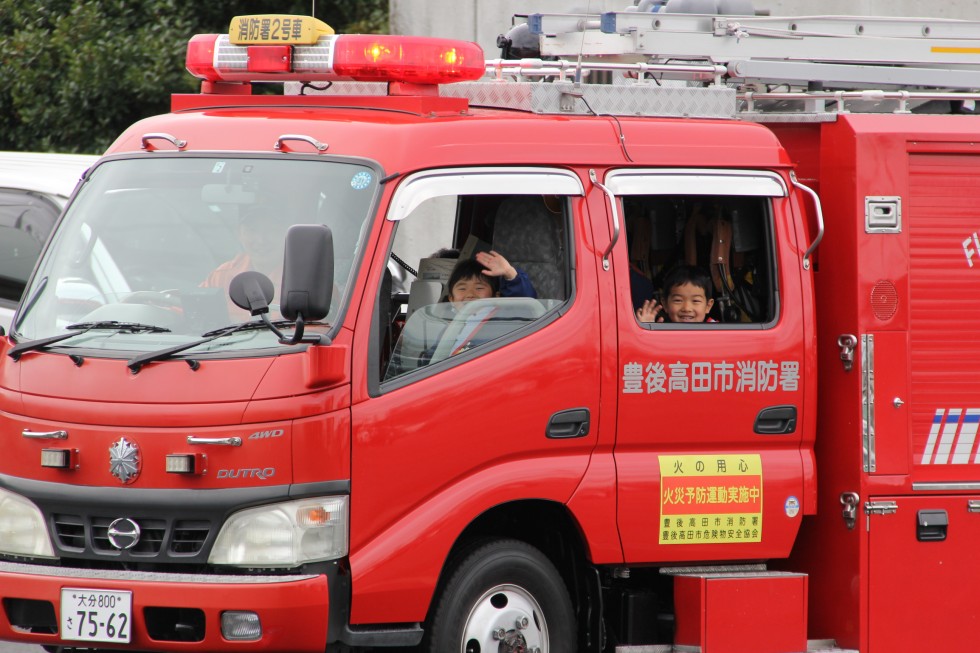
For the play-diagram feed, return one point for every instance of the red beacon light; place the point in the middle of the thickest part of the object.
(301, 48)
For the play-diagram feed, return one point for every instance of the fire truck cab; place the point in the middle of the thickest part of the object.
(245, 407)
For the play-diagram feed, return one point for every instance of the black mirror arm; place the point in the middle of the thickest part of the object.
(297, 332)
(298, 336)
(272, 327)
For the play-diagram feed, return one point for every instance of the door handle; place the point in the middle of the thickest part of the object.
(776, 420)
(572, 423)
(932, 525)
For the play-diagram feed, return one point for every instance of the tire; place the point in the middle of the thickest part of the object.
(507, 588)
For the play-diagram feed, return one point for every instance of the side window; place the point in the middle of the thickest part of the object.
(709, 251)
(26, 220)
(470, 272)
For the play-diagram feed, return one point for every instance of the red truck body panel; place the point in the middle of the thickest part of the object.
(910, 292)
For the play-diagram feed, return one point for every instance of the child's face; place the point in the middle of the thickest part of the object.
(466, 290)
(687, 303)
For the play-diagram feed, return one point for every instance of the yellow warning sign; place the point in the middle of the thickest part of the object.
(710, 499)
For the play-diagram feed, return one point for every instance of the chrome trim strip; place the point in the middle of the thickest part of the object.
(146, 576)
(868, 400)
(966, 486)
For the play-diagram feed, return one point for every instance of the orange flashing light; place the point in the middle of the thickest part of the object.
(413, 59)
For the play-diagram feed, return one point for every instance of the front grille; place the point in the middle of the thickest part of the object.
(159, 538)
(70, 530)
(189, 537)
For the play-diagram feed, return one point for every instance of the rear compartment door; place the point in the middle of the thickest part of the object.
(923, 574)
(944, 234)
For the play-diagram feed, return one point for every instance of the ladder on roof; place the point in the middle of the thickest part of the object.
(844, 52)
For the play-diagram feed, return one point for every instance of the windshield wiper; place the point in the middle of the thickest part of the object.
(138, 362)
(80, 328)
(132, 327)
(244, 326)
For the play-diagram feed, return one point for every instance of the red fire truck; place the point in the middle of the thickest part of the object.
(244, 409)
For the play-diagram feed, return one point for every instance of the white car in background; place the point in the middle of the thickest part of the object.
(34, 188)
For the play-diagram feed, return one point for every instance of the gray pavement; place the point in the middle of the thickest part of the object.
(9, 647)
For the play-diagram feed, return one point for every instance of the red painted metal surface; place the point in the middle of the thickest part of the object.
(741, 613)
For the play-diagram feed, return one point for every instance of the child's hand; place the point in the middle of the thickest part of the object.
(496, 265)
(651, 311)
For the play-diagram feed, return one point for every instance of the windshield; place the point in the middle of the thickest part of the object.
(155, 241)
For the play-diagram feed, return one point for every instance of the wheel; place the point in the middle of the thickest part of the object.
(503, 597)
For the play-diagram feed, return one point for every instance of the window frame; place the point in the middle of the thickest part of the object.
(708, 182)
(425, 185)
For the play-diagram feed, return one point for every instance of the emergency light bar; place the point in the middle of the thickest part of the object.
(306, 50)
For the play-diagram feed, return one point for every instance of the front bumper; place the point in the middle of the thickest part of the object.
(172, 611)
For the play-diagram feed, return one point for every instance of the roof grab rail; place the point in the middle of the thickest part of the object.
(280, 145)
(179, 143)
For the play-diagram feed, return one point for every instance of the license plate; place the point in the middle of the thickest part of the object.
(96, 615)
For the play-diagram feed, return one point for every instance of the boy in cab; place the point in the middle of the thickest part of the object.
(686, 299)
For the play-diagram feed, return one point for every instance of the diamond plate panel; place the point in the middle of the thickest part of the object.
(566, 98)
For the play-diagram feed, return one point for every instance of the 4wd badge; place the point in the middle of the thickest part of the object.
(124, 460)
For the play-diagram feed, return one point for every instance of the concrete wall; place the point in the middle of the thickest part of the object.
(483, 20)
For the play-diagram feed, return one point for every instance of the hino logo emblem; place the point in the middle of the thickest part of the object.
(124, 460)
(123, 533)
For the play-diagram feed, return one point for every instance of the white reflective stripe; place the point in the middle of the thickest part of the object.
(968, 435)
(975, 422)
(949, 434)
(937, 420)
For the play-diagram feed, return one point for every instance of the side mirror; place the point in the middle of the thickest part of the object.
(307, 274)
(252, 291)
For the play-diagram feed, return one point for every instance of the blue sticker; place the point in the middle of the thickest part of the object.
(360, 181)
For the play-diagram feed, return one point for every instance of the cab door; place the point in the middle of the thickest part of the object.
(445, 436)
(709, 424)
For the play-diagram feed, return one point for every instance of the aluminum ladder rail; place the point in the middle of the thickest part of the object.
(841, 51)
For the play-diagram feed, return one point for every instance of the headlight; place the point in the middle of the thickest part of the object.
(284, 534)
(22, 529)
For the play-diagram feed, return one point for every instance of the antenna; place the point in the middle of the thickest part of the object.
(581, 50)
